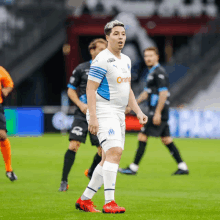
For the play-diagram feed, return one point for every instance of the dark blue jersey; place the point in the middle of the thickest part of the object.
(79, 80)
(157, 81)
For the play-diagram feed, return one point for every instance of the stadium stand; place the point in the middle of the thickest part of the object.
(28, 28)
(148, 8)
(201, 56)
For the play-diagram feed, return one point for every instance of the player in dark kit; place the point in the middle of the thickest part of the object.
(79, 128)
(157, 94)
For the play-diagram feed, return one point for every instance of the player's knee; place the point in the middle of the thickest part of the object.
(99, 151)
(74, 146)
(114, 154)
(3, 135)
(142, 137)
(166, 140)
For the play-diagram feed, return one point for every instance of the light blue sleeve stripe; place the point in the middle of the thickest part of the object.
(99, 68)
(95, 72)
(71, 86)
(96, 76)
(98, 71)
(162, 89)
(145, 89)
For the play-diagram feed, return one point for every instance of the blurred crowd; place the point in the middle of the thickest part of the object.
(148, 8)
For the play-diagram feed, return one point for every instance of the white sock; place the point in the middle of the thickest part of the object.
(134, 167)
(182, 166)
(94, 184)
(109, 176)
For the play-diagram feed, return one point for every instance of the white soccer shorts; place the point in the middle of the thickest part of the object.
(111, 131)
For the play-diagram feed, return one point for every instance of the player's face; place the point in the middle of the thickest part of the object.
(99, 47)
(117, 38)
(150, 58)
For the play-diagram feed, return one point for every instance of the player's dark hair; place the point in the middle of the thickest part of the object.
(109, 26)
(94, 42)
(155, 49)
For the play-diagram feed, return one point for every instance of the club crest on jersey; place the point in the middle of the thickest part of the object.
(110, 60)
(111, 131)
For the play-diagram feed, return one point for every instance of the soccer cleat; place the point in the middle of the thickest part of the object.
(87, 174)
(181, 172)
(86, 205)
(112, 207)
(11, 176)
(127, 171)
(64, 186)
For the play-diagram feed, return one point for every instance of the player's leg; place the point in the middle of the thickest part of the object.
(84, 202)
(182, 167)
(77, 136)
(6, 147)
(97, 158)
(113, 149)
(69, 159)
(142, 143)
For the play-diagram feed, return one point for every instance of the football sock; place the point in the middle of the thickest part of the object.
(182, 166)
(95, 162)
(140, 152)
(174, 152)
(68, 162)
(109, 177)
(94, 184)
(134, 167)
(6, 153)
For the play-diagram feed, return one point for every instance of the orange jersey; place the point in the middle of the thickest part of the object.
(5, 80)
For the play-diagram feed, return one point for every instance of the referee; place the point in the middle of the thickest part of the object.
(157, 95)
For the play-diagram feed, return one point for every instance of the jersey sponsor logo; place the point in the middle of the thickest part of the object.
(77, 130)
(150, 77)
(111, 131)
(123, 80)
(72, 79)
(110, 60)
(161, 76)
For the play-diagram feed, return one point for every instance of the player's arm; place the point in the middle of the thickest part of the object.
(6, 82)
(142, 97)
(97, 72)
(75, 99)
(91, 88)
(163, 93)
(132, 103)
(74, 82)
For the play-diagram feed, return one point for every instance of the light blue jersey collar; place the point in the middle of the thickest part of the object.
(90, 61)
(153, 68)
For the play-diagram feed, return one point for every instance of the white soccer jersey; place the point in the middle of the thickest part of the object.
(114, 76)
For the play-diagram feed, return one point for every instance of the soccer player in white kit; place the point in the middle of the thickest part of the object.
(108, 93)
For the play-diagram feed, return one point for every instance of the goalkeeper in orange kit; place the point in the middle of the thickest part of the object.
(6, 86)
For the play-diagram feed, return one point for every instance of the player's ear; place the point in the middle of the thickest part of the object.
(107, 37)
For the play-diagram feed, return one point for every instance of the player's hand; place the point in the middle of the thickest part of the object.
(83, 107)
(157, 119)
(142, 118)
(4, 92)
(93, 125)
(127, 110)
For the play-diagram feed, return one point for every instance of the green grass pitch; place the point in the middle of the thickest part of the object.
(152, 194)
